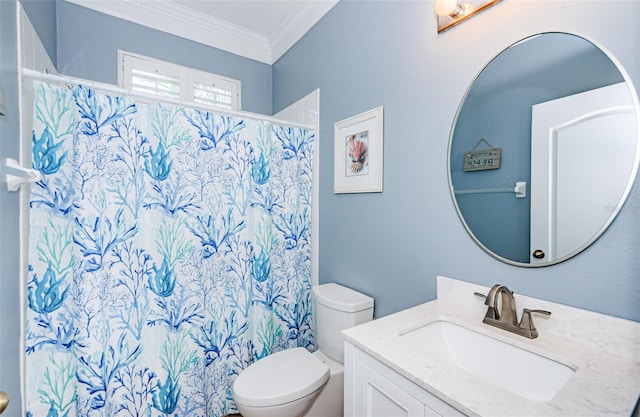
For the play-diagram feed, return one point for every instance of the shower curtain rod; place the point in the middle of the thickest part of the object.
(62, 79)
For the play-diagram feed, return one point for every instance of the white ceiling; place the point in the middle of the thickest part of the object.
(262, 30)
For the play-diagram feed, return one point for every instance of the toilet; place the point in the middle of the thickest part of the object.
(295, 382)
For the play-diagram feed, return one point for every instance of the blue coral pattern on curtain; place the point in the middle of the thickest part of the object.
(169, 249)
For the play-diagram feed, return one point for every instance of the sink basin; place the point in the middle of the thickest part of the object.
(523, 372)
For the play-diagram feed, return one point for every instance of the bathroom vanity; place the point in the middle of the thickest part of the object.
(379, 391)
(439, 359)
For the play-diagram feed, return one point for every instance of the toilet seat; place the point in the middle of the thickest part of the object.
(280, 378)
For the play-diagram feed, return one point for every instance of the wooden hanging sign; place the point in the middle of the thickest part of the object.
(479, 160)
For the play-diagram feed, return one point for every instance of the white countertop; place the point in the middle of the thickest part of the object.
(606, 381)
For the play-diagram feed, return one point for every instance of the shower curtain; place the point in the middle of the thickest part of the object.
(169, 249)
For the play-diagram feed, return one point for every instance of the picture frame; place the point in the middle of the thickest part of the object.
(358, 153)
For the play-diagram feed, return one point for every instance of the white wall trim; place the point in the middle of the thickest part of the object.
(170, 17)
(291, 32)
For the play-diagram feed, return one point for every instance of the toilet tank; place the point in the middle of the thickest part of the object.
(338, 308)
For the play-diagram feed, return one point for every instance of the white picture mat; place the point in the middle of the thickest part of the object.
(371, 181)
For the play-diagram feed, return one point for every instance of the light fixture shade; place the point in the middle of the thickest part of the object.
(451, 12)
(448, 7)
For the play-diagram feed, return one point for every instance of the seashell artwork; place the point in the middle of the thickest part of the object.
(357, 149)
(358, 153)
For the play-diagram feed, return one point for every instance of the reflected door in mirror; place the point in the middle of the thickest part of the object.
(580, 167)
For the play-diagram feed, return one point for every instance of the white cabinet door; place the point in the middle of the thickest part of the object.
(372, 389)
(376, 396)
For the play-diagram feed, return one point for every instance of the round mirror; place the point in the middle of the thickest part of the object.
(544, 150)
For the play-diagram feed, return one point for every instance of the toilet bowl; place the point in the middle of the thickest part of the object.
(296, 383)
(283, 384)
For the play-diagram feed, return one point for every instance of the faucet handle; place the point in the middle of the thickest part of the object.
(492, 312)
(526, 322)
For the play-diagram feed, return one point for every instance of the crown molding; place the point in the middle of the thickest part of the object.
(292, 31)
(170, 17)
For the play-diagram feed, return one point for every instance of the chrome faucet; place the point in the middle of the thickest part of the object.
(501, 312)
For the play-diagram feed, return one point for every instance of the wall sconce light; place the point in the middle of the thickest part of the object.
(451, 12)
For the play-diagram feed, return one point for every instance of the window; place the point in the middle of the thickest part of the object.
(152, 76)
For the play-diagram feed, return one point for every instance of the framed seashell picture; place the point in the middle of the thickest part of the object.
(358, 153)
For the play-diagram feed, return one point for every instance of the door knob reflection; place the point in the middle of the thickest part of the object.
(538, 254)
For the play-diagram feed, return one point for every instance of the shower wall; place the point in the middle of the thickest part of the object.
(306, 111)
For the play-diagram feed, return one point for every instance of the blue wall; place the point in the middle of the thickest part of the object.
(392, 245)
(88, 43)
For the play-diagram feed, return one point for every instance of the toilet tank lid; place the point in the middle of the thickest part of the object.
(342, 298)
